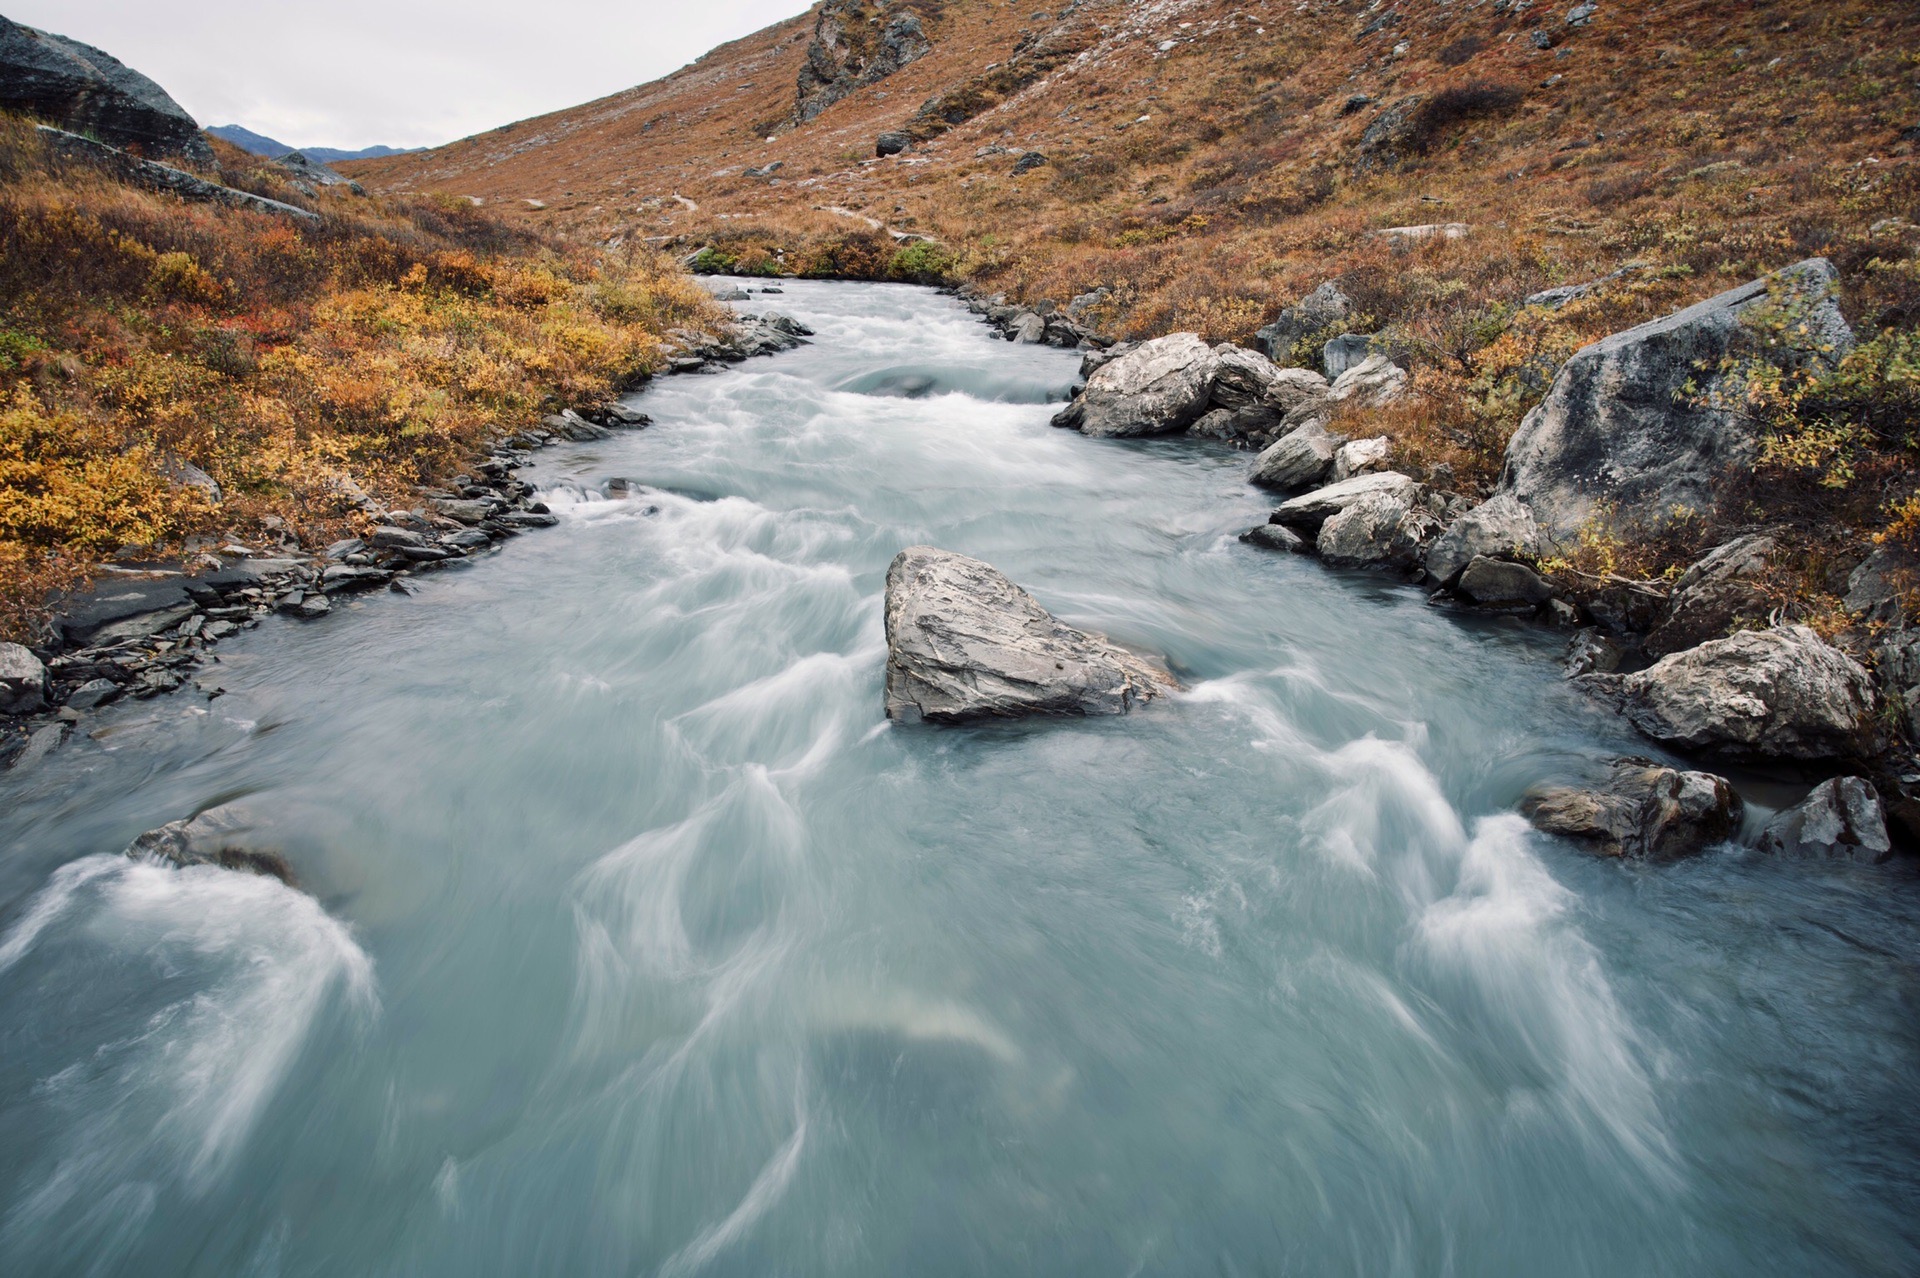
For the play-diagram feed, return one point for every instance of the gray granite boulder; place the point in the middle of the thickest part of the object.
(1375, 382)
(1310, 510)
(964, 643)
(1642, 810)
(1783, 693)
(1645, 422)
(1299, 459)
(1160, 386)
(23, 680)
(1382, 529)
(1714, 596)
(1497, 583)
(90, 92)
(1314, 313)
(1842, 820)
(1499, 528)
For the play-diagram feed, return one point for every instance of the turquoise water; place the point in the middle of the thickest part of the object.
(638, 943)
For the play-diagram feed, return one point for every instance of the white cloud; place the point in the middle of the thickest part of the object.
(353, 73)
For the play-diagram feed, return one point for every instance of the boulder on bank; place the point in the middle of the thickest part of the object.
(1345, 352)
(1314, 313)
(1359, 456)
(92, 93)
(1498, 528)
(1299, 459)
(23, 680)
(1646, 422)
(1382, 529)
(1244, 378)
(1313, 509)
(1375, 381)
(964, 643)
(1642, 810)
(1276, 537)
(214, 837)
(1714, 596)
(1842, 820)
(1254, 422)
(1159, 386)
(1783, 693)
(1503, 585)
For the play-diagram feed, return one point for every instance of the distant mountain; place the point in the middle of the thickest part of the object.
(260, 144)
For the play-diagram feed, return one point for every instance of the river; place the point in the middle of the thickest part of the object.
(634, 940)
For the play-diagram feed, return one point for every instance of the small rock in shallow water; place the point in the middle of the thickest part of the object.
(211, 838)
(1276, 537)
(96, 692)
(1841, 820)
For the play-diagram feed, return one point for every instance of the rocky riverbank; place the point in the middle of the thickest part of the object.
(145, 631)
(1635, 432)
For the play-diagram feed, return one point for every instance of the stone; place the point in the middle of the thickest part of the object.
(95, 692)
(41, 742)
(1029, 329)
(1590, 652)
(1246, 379)
(892, 142)
(1313, 509)
(1276, 537)
(1499, 583)
(1714, 596)
(1318, 311)
(1404, 236)
(184, 474)
(1842, 820)
(1877, 583)
(390, 537)
(161, 177)
(1375, 382)
(1380, 530)
(1620, 439)
(141, 625)
(1642, 810)
(1783, 693)
(1498, 528)
(1581, 14)
(1028, 162)
(1299, 459)
(1254, 423)
(1344, 352)
(1160, 386)
(1388, 136)
(23, 680)
(468, 511)
(92, 93)
(1358, 456)
(215, 837)
(313, 172)
(1553, 299)
(964, 643)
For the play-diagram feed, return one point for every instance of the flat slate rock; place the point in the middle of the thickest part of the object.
(964, 643)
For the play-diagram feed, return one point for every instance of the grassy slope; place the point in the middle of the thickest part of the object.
(142, 335)
(1213, 182)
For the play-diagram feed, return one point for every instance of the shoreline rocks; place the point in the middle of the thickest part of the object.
(1841, 820)
(966, 644)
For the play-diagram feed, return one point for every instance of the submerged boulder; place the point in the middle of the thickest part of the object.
(214, 837)
(1642, 810)
(1646, 422)
(1841, 820)
(1783, 693)
(965, 643)
(89, 92)
(1159, 386)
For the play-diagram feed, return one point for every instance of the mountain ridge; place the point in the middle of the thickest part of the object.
(260, 144)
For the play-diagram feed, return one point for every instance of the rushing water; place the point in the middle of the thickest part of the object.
(637, 942)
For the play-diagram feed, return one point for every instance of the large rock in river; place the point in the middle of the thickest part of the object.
(1782, 693)
(1646, 422)
(1641, 810)
(1299, 459)
(1380, 530)
(965, 643)
(1313, 509)
(87, 91)
(1159, 386)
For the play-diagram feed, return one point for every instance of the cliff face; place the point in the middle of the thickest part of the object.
(854, 45)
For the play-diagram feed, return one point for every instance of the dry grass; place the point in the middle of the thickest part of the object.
(143, 335)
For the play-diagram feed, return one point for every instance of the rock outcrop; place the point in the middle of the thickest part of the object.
(1374, 382)
(854, 45)
(1157, 387)
(162, 177)
(1782, 693)
(1842, 820)
(1645, 422)
(964, 643)
(84, 90)
(1642, 810)
(1313, 314)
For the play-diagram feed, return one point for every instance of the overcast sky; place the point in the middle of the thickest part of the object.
(354, 73)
